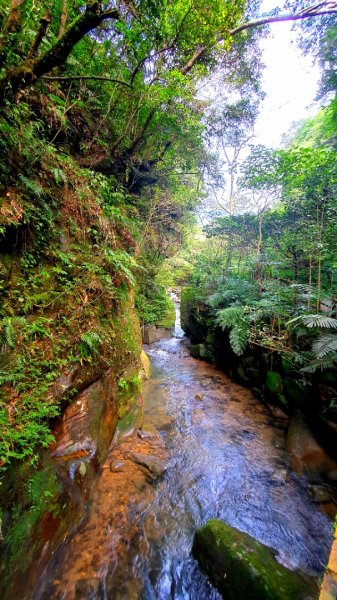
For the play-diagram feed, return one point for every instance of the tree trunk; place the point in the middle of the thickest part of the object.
(63, 19)
(259, 255)
(310, 281)
(11, 25)
(31, 69)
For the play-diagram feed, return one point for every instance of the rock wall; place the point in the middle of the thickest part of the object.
(270, 375)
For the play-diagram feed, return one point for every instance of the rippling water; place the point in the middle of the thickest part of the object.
(225, 458)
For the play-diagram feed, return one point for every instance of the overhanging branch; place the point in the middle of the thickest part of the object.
(85, 77)
(315, 10)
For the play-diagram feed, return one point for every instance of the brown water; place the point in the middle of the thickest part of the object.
(225, 458)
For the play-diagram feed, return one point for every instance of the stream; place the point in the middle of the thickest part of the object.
(225, 457)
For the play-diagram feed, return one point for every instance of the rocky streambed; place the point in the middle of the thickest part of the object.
(206, 449)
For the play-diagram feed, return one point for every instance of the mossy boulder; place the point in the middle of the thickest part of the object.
(240, 567)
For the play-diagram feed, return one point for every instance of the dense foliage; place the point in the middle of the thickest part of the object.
(105, 142)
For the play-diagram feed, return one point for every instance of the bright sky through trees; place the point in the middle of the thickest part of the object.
(289, 81)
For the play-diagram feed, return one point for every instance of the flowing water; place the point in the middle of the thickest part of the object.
(225, 458)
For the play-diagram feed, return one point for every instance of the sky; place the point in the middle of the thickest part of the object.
(290, 82)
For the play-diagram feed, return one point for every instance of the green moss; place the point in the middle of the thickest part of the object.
(296, 392)
(274, 382)
(130, 406)
(240, 567)
(38, 492)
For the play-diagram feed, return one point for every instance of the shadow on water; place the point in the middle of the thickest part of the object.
(223, 460)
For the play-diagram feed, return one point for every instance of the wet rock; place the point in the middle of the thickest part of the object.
(88, 424)
(152, 334)
(332, 476)
(257, 393)
(163, 422)
(116, 467)
(329, 587)
(89, 589)
(198, 351)
(154, 465)
(305, 452)
(147, 432)
(320, 493)
(240, 567)
(279, 477)
(199, 396)
(278, 413)
(146, 366)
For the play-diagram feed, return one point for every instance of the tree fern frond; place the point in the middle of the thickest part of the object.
(320, 321)
(326, 344)
(327, 362)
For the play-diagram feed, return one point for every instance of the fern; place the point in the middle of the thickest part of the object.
(230, 317)
(89, 343)
(238, 338)
(327, 362)
(32, 186)
(320, 321)
(7, 330)
(122, 262)
(233, 319)
(325, 345)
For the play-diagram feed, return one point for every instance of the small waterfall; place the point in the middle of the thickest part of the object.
(178, 331)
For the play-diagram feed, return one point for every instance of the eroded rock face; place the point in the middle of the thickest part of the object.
(305, 452)
(88, 424)
(240, 567)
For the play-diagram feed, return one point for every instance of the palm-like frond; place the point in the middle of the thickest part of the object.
(327, 362)
(319, 321)
(325, 345)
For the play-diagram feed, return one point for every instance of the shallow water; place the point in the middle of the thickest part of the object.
(226, 458)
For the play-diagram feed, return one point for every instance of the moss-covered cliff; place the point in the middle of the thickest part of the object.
(70, 352)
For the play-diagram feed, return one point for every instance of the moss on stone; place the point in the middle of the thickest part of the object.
(240, 567)
(274, 382)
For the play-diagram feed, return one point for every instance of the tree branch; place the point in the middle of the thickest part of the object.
(85, 77)
(316, 10)
(130, 151)
(11, 25)
(30, 70)
(63, 19)
(44, 24)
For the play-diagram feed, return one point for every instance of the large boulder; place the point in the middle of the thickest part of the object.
(240, 567)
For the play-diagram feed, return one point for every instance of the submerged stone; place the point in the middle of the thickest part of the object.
(241, 567)
(154, 465)
(147, 431)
